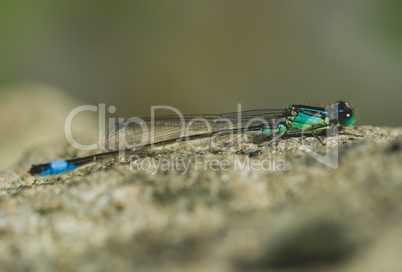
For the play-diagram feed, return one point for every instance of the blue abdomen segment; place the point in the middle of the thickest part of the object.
(56, 167)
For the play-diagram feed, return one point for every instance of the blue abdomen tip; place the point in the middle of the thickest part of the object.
(57, 167)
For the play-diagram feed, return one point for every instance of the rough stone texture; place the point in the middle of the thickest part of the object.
(304, 217)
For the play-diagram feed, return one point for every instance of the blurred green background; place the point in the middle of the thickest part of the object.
(207, 56)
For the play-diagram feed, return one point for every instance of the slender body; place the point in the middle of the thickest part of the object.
(212, 129)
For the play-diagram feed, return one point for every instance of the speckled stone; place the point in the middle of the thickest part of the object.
(298, 213)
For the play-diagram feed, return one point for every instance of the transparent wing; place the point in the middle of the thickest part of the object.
(195, 129)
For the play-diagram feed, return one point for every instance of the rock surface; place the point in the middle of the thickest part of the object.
(298, 214)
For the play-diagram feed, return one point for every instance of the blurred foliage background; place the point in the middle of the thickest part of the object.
(207, 56)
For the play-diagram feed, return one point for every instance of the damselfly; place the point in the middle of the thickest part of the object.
(211, 129)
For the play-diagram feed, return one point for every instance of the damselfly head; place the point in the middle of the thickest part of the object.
(345, 114)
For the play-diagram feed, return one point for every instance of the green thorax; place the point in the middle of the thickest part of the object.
(308, 118)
